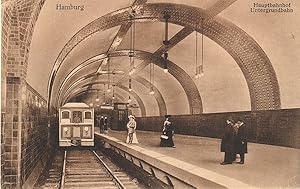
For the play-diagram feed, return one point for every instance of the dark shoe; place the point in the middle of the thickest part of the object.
(241, 162)
(225, 163)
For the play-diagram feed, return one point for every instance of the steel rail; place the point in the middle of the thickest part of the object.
(110, 172)
(62, 182)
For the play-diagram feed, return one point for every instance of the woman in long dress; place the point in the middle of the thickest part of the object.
(131, 127)
(166, 139)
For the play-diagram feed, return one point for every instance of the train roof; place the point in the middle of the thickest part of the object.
(75, 105)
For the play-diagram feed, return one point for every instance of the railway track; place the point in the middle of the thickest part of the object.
(87, 169)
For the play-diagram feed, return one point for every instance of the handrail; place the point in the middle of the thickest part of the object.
(110, 172)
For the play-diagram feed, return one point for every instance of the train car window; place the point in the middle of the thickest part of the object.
(88, 115)
(65, 115)
(77, 117)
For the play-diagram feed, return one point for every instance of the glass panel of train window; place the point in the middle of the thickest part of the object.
(77, 117)
(65, 117)
(88, 115)
(65, 132)
(87, 132)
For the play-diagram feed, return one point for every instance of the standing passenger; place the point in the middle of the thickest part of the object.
(131, 126)
(105, 125)
(227, 143)
(168, 132)
(101, 124)
(241, 141)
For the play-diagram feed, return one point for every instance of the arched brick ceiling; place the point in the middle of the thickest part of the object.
(83, 89)
(92, 94)
(183, 78)
(80, 84)
(258, 71)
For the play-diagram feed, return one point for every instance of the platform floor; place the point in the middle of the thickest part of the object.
(266, 166)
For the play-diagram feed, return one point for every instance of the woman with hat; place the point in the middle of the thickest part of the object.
(131, 127)
(166, 139)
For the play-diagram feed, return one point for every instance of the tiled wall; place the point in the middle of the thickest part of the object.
(25, 131)
(277, 127)
(24, 121)
(2, 149)
(11, 138)
(34, 130)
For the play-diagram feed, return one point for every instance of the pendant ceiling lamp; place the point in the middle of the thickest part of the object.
(151, 78)
(132, 43)
(97, 98)
(108, 77)
(199, 66)
(166, 42)
(113, 87)
(129, 100)
(129, 85)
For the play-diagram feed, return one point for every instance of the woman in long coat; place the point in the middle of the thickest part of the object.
(228, 143)
(167, 135)
(241, 141)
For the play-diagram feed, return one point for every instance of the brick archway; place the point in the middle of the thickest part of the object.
(193, 96)
(79, 84)
(258, 71)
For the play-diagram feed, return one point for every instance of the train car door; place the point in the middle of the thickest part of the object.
(77, 118)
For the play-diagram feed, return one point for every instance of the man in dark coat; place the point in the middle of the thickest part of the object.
(101, 124)
(105, 125)
(227, 143)
(241, 141)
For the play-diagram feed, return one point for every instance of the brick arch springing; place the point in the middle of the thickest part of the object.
(258, 71)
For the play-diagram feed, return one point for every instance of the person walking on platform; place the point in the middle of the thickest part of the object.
(101, 124)
(227, 143)
(241, 141)
(131, 127)
(166, 139)
(105, 125)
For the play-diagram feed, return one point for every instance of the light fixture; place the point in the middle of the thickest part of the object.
(129, 99)
(132, 43)
(199, 67)
(129, 85)
(97, 99)
(151, 92)
(91, 104)
(166, 42)
(151, 78)
(166, 62)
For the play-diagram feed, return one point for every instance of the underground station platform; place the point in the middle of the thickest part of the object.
(196, 161)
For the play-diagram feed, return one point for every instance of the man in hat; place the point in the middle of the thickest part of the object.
(228, 143)
(241, 141)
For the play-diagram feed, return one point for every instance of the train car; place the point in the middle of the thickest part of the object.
(76, 125)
